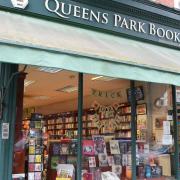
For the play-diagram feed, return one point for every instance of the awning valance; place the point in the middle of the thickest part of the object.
(26, 40)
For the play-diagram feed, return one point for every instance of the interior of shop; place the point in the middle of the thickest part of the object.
(47, 146)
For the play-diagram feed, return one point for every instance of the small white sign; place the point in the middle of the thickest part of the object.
(167, 140)
(169, 118)
(178, 96)
(5, 130)
(166, 127)
(20, 3)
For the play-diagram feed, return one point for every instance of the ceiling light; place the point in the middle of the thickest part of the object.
(28, 82)
(68, 89)
(103, 78)
(49, 70)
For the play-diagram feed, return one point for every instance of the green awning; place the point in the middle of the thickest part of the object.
(26, 40)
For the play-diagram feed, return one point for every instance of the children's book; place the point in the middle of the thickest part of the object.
(114, 147)
(110, 160)
(88, 147)
(64, 148)
(92, 162)
(117, 159)
(103, 160)
(99, 144)
(117, 169)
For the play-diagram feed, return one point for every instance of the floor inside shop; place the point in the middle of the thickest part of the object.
(47, 144)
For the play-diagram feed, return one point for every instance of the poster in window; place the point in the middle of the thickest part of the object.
(139, 93)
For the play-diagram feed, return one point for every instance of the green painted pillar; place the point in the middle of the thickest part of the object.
(133, 129)
(9, 116)
(80, 114)
(175, 126)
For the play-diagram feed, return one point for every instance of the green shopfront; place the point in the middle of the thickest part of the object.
(132, 40)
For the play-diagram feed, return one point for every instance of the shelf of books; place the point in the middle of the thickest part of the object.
(106, 139)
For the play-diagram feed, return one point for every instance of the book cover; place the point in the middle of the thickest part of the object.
(71, 160)
(64, 148)
(117, 159)
(31, 158)
(32, 142)
(54, 162)
(103, 161)
(117, 169)
(38, 167)
(99, 144)
(38, 176)
(110, 160)
(56, 149)
(31, 167)
(31, 176)
(129, 159)
(73, 148)
(63, 159)
(31, 149)
(38, 150)
(140, 171)
(123, 147)
(88, 147)
(124, 160)
(114, 147)
(156, 171)
(38, 124)
(92, 162)
(38, 158)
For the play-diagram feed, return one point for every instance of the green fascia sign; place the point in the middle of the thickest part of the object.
(81, 13)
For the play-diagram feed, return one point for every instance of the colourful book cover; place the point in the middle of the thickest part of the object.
(73, 148)
(110, 160)
(71, 160)
(88, 147)
(117, 159)
(54, 162)
(64, 148)
(38, 176)
(92, 162)
(31, 158)
(31, 167)
(99, 144)
(56, 149)
(114, 147)
(38, 158)
(38, 167)
(31, 149)
(117, 169)
(103, 161)
(31, 176)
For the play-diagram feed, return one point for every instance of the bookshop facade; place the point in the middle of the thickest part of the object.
(98, 83)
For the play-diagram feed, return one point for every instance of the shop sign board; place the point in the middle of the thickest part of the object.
(112, 21)
(5, 130)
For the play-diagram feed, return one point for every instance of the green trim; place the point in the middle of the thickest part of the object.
(80, 114)
(9, 116)
(30, 56)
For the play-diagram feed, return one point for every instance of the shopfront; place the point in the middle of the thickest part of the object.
(134, 44)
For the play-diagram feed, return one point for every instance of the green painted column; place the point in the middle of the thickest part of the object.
(176, 144)
(133, 129)
(80, 114)
(9, 116)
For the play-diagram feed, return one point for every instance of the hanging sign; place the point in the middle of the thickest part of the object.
(5, 130)
(92, 16)
(107, 94)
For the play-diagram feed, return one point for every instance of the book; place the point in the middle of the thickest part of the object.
(31, 149)
(92, 162)
(117, 159)
(103, 161)
(38, 150)
(123, 147)
(31, 167)
(99, 144)
(38, 124)
(54, 162)
(38, 167)
(38, 176)
(56, 149)
(124, 160)
(140, 171)
(32, 142)
(114, 147)
(63, 159)
(73, 148)
(110, 160)
(64, 148)
(38, 158)
(88, 147)
(71, 160)
(117, 169)
(31, 158)
(31, 176)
